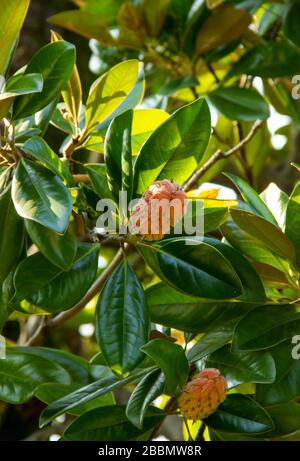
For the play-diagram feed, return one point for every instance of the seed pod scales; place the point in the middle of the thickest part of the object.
(203, 394)
(154, 214)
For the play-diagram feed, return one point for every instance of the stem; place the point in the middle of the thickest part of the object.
(93, 290)
(218, 155)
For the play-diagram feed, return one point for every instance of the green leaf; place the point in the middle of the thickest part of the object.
(110, 423)
(240, 104)
(98, 177)
(144, 122)
(265, 232)
(59, 249)
(40, 150)
(55, 62)
(16, 86)
(268, 59)
(265, 327)
(252, 285)
(122, 320)
(23, 372)
(76, 366)
(253, 248)
(13, 13)
(147, 390)
(86, 394)
(239, 413)
(21, 84)
(118, 157)
(224, 25)
(174, 150)
(72, 95)
(173, 309)
(291, 23)
(171, 360)
(242, 367)
(209, 273)
(48, 393)
(212, 340)
(286, 419)
(11, 234)
(118, 90)
(40, 196)
(45, 285)
(252, 198)
(292, 222)
(287, 384)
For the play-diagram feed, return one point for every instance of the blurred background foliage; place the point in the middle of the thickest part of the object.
(190, 48)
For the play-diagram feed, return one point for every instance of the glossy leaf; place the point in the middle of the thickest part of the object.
(122, 320)
(120, 89)
(39, 149)
(16, 86)
(287, 385)
(147, 390)
(55, 63)
(118, 156)
(23, 372)
(110, 423)
(45, 285)
(252, 198)
(97, 174)
(13, 13)
(58, 249)
(265, 327)
(76, 366)
(242, 367)
(86, 394)
(144, 122)
(252, 247)
(175, 148)
(210, 275)
(173, 309)
(40, 196)
(239, 103)
(11, 234)
(171, 360)
(239, 413)
(265, 232)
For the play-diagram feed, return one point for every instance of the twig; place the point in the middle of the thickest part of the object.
(219, 154)
(94, 289)
(200, 435)
(37, 332)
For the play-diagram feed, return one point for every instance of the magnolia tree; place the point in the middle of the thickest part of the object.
(193, 295)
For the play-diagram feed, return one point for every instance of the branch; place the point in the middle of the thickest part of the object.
(219, 155)
(93, 290)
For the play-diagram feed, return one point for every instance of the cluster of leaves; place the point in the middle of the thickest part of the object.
(231, 298)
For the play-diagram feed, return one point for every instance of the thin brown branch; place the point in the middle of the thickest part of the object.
(94, 289)
(219, 155)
